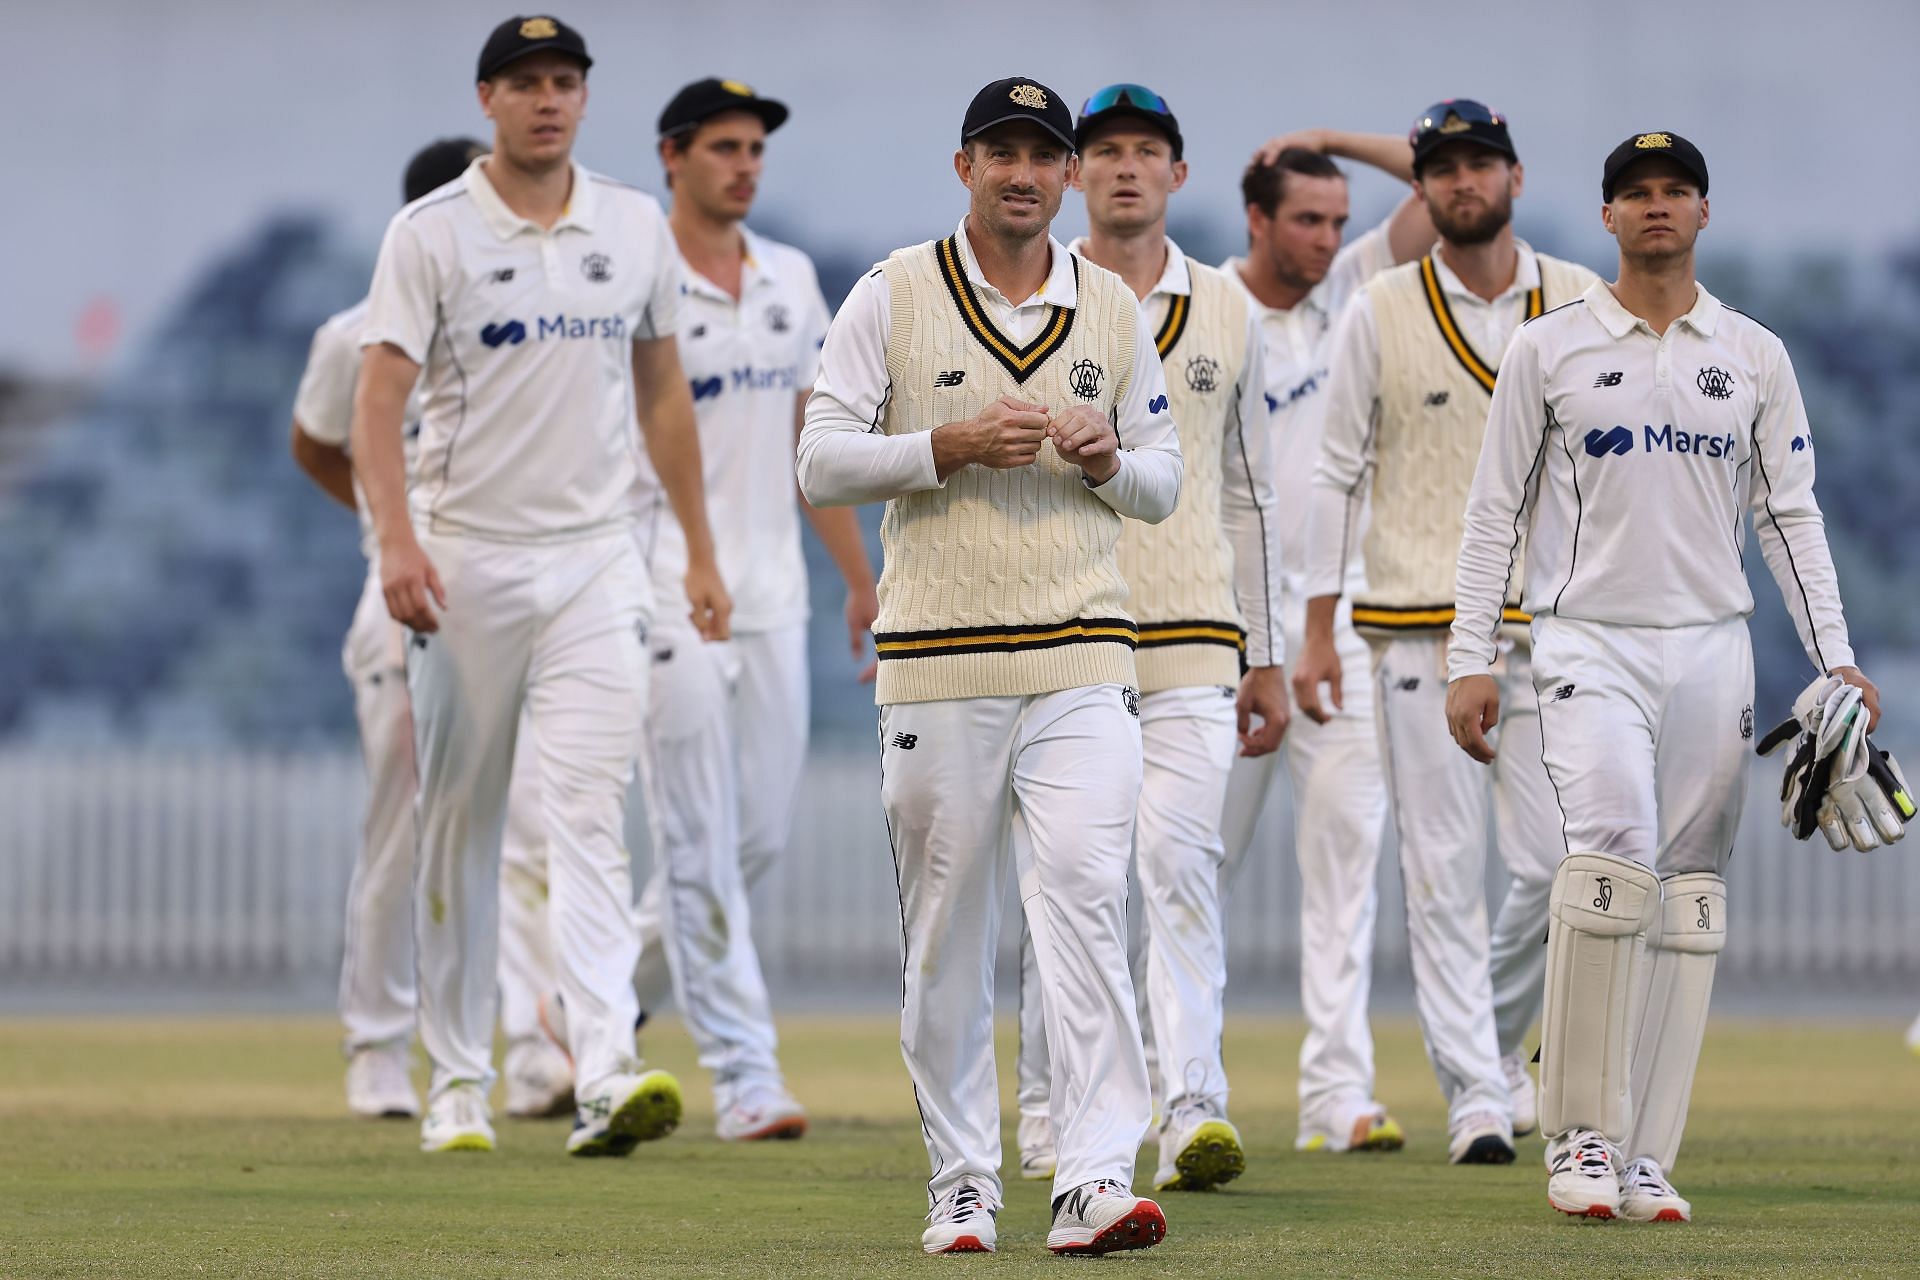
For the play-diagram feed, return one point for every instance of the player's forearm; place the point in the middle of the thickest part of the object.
(328, 466)
(1797, 554)
(839, 531)
(1332, 528)
(1321, 611)
(673, 444)
(1390, 153)
(842, 464)
(379, 406)
(1247, 513)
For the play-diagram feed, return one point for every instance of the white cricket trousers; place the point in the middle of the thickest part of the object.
(1339, 821)
(376, 972)
(1440, 800)
(559, 630)
(1053, 779)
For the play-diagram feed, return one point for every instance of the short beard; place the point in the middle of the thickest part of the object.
(1476, 230)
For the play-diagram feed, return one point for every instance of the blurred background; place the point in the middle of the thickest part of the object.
(202, 183)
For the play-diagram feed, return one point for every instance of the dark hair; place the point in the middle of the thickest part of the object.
(437, 164)
(1265, 185)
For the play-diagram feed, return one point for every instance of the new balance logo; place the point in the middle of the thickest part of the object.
(1601, 443)
(906, 741)
(1564, 692)
(419, 641)
(1608, 380)
(1407, 684)
(503, 276)
(1436, 399)
(951, 378)
(512, 332)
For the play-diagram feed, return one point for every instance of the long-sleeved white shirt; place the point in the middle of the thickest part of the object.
(1628, 459)
(845, 459)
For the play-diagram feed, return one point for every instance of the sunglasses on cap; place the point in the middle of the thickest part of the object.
(1137, 96)
(1464, 110)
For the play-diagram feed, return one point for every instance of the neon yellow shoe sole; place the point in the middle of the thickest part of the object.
(649, 1112)
(1212, 1157)
(1386, 1135)
(464, 1142)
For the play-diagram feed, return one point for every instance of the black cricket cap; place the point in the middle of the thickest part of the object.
(1018, 98)
(1642, 146)
(437, 164)
(1131, 100)
(704, 99)
(1459, 120)
(519, 36)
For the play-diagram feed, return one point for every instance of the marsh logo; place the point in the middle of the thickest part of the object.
(1601, 443)
(1157, 405)
(708, 388)
(511, 332)
(1799, 443)
(559, 326)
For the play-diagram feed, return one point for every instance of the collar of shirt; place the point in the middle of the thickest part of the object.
(1525, 276)
(754, 272)
(1619, 322)
(1314, 304)
(507, 224)
(1060, 290)
(1174, 279)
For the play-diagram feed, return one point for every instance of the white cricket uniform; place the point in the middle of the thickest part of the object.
(527, 455)
(1441, 800)
(1650, 449)
(1339, 793)
(1052, 776)
(727, 726)
(376, 972)
(1188, 731)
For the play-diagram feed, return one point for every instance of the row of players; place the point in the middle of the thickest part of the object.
(532, 307)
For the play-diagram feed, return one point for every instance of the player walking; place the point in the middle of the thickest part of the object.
(1415, 358)
(376, 973)
(1631, 430)
(540, 300)
(1205, 593)
(1297, 277)
(1003, 396)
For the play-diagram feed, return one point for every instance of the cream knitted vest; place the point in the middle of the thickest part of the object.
(1432, 416)
(1181, 570)
(1000, 583)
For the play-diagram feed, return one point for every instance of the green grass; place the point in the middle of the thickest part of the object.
(218, 1147)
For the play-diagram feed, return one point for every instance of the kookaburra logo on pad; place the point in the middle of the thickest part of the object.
(1028, 95)
(1706, 914)
(1084, 379)
(1604, 900)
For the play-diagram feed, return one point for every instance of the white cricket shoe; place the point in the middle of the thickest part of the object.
(961, 1223)
(457, 1120)
(539, 1079)
(1199, 1150)
(1647, 1196)
(1104, 1217)
(623, 1111)
(1585, 1178)
(1035, 1135)
(1913, 1036)
(1364, 1126)
(1526, 1106)
(760, 1112)
(1481, 1137)
(377, 1083)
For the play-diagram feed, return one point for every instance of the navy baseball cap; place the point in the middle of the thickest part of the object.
(1642, 146)
(1459, 120)
(437, 164)
(704, 99)
(1018, 98)
(519, 36)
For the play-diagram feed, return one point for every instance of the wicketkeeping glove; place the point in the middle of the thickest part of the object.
(1820, 716)
(1837, 779)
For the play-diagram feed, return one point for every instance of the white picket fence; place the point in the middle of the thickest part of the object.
(147, 865)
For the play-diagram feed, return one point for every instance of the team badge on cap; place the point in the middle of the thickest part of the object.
(1028, 95)
(539, 29)
(1454, 124)
(1653, 141)
(737, 89)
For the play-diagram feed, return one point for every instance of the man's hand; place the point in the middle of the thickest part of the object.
(1004, 435)
(1473, 708)
(1085, 437)
(1869, 693)
(411, 584)
(1269, 151)
(712, 607)
(863, 608)
(1318, 664)
(1263, 696)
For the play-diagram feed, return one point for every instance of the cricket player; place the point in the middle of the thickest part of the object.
(726, 733)
(539, 301)
(1415, 358)
(1003, 397)
(376, 973)
(1205, 594)
(1631, 430)
(1297, 277)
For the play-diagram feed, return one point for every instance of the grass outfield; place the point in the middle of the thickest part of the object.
(215, 1147)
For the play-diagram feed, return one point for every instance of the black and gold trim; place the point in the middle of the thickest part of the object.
(1424, 617)
(1156, 635)
(1021, 362)
(889, 645)
(1463, 351)
(1174, 325)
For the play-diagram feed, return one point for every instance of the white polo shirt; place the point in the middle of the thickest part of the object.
(1650, 448)
(323, 406)
(1297, 343)
(748, 362)
(525, 340)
